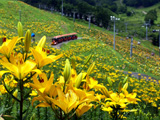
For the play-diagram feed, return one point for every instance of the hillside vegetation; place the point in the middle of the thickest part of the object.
(95, 43)
(45, 23)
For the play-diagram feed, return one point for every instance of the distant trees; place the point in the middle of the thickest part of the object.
(100, 12)
(138, 3)
(68, 7)
(152, 16)
(83, 7)
(102, 16)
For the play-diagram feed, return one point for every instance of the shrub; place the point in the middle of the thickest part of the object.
(155, 39)
(129, 13)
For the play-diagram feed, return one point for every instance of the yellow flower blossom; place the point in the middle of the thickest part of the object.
(7, 47)
(41, 57)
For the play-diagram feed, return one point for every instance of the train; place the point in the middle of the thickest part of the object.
(63, 38)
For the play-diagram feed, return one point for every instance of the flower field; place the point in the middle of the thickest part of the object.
(82, 80)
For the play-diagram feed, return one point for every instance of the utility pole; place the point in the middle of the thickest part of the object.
(131, 46)
(146, 31)
(126, 26)
(78, 15)
(39, 6)
(147, 24)
(52, 9)
(113, 18)
(74, 14)
(89, 19)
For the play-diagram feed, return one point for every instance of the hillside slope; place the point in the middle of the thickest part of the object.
(100, 42)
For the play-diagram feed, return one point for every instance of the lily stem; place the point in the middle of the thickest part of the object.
(61, 114)
(21, 101)
(10, 92)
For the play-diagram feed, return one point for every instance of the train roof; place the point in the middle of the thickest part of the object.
(59, 36)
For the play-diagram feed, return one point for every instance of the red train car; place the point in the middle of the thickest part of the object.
(62, 38)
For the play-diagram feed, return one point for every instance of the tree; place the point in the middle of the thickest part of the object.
(128, 13)
(84, 7)
(122, 9)
(102, 15)
(138, 3)
(155, 39)
(152, 16)
(68, 7)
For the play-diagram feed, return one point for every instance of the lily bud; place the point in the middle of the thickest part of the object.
(20, 29)
(42, 42)
(109, 81)
(27, 40)
(105, 92)
(79, 80)
(125, 86)
(67, 71)
(125, 79)
(88, 59)
(15, 94)
(120, 86)
(90, 68)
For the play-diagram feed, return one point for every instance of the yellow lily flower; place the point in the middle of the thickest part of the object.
(131, 98)
(42, 104)
(106, 107)
(84, 96)
(92, 83)
(19, 70)
(41, 57)
(43, 84)
(46, 98)
(82, 109)
(118, 100)
(67, 101)
(74, 98)
(7, 47)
